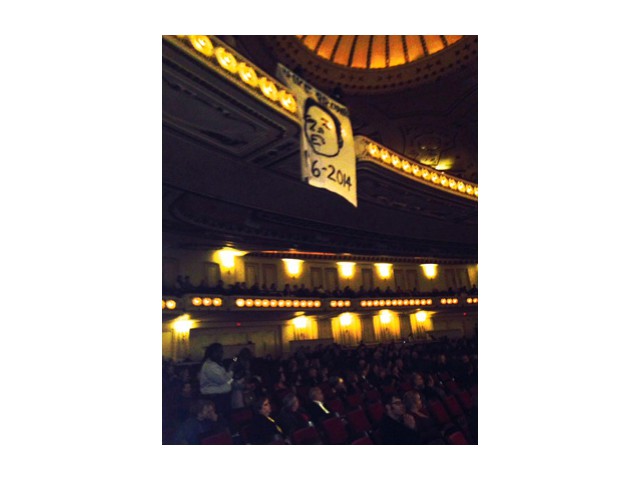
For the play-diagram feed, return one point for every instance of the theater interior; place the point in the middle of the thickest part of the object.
(254, 257)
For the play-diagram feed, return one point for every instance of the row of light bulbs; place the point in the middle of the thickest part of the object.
(273, 303)
(396, 302)
(420, 171)
(206, 301)
(242, 70)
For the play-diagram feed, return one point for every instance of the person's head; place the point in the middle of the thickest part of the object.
(290, 402)
(262, 406)
(322, 129)
(417, 380)
(412, 401)
(204, 409)
(214, 353)
(394, 406)
(316, 395)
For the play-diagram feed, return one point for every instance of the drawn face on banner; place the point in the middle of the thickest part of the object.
(322, 129)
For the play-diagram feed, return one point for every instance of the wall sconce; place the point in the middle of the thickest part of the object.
(345, 319)
(182, 324)
(300, 322)
(421, 316)
(385, 316)
(226, 257)
(346, 269)
(384, 269)
(293, 266)
(430, 270)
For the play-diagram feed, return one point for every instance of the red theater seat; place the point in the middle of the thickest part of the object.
(223, 438)
(335, 431)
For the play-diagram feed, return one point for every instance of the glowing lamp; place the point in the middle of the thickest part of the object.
(455, 301)
(202, 44)
(268, 88)
(453, 184)
(164, 304)
(449, 301)
(345, 319)
(300, 322)
(430, 270)
(303, 303)
(444, 181)
(425, 174)
(287, 303)
(475, 191)
(395, 161)
(461, 187)
(182, 324)
(317, 303)
(240, 302)
(333, 303)
(406, 166)
(435, 178)
(475, 300)
(340, 303)
(293, 266)
(273, 303)
(249, 303)
(346, 269)
(288, 101)
(227, 257)
(347, 303)
(429, 301)
(171, 304)
(196, 301)
(384, 269)
(385, 316)
(296, 303)
(373, 150)
(247, 74)
(421, 316)
(387, 302)
(385, 156)
(280, 303)
(416, 170)
(363, 303)
(443, 300)
(206, 302)
(469, 189)
(217, 302)
(226, 60)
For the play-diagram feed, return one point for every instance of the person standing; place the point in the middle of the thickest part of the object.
(215, 380)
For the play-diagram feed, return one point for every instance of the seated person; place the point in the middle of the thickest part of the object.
(263, 428)
(425, 425)
(203, 422)
(291, 418)
(317, 409)
(397, 427)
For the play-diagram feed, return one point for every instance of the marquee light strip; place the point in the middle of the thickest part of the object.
(368, 150)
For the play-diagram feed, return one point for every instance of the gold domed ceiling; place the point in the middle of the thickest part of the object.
(376, 51)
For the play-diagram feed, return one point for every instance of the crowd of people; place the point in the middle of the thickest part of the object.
(184, 286)
(266, 400)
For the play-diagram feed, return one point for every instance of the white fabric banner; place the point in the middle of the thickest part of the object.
(327, 153)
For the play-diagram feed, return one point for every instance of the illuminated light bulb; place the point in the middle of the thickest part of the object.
(435, 178)
(268, 88)
(303, 303)
(300, 322)
(384, 156)
(182, 324)
(475, 300)
(369, 303)
(455, 301)
(453, 184)
(317, 303)
(333, 303)
(171, 304)
(384, 269)
(469, 300)
(421, 316)
(423, 301)
(430, 270)
(444, 181)
(217, 302)
(247, 74)
(461, 187)
(406, 166)
(346, 269)
(249, 302)
(443, 300)
(425, 174)
(392, 159)
(258, 302)
(387, 303)
(196, 301)
(273, 303)
(417, 171)
(405, 302)
(475, 191)
(449, 301)
(363, 303)
(280, 303)
(345, 319)
(202, 44)
(429, 301)
(470, 189)
(395, 161)
(293, 266)
(340, 303)
(227, 257)
(412, 302)
(265, 303)
(376, 303)
(385, 316)
(394, 302)
(207, 302)
(164, 304)
(373, 149)
(296, 303)
(240, 302)
(288, 101)
(287, 303)
(347, 303)
(226, 60)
